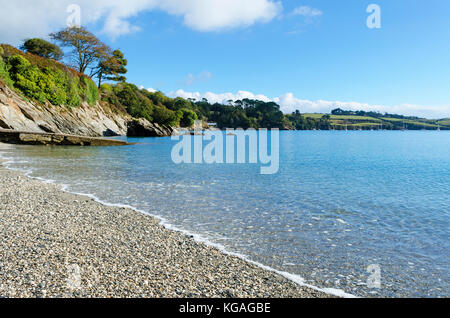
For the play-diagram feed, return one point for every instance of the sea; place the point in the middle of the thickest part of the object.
(352, 213)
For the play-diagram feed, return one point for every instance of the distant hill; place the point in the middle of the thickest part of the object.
(380, 121)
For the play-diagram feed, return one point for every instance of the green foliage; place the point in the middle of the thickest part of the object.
(89, 90)
(4, 74)
(160, 99)
(140, 103)
(108, 94)
(27, 78)
(42, 48)
(243, 114)
(165, 116)
(298, 121)
(365, 120)
(36, 60)
(106, 89)
(181, 104)
(131, 98)
(188, 117)
(111, 67)
(46, 81)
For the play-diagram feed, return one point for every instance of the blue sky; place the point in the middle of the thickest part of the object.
(323, 57)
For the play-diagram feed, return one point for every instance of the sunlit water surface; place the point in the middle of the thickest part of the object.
(341, 201)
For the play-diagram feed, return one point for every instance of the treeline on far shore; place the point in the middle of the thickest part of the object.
(76, 67)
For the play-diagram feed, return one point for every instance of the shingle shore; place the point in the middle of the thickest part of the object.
(56, 244)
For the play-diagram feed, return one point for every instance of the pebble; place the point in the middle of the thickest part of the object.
(56, 244)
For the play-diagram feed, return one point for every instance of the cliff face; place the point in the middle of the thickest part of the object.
(19, 114)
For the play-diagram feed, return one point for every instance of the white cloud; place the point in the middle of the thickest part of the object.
(212, 15)
(218, 98)
(307, 11)
(201, 77)
(151, 90)
(29, 18)
(289, 103)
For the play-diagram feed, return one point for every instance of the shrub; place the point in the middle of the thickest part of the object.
(4, 74)
(42, 48)
(90, 90)
(165, 116)
(136, 104)
(26, 77)
(106, 89)
(47, 83)
(188, 118)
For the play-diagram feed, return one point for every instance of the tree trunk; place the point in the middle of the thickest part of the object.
(99, 79)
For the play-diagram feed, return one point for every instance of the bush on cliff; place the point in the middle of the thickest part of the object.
(188, 119)
(89, 90)
(42, 48)
(165, 116)
(140, 103)
(43, 79)
(136, 104)
(4, 74)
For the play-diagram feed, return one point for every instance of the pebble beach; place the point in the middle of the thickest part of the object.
(57, 244)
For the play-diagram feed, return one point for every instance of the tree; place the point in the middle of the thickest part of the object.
(181, 103)
(120, 67)
(337, 111)
(87, 49)
(111, 68)
(188, 118)
(42, 48)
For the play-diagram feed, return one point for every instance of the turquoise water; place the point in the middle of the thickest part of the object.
(341, 201)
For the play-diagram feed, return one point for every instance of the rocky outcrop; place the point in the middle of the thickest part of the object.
(27, 138)
(143, 128)
(94, 121)
(99, 120)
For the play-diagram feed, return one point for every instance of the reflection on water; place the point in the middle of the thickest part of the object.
(341, 201)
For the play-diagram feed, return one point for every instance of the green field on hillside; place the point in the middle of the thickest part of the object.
(368, 122)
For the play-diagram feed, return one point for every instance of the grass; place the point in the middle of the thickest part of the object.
(343, 117)
(366, 122)
(353, 117)
(445, 122)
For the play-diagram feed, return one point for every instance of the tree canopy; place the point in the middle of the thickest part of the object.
(42, 48)
(44, 79)
(87, 49)
(111, 67)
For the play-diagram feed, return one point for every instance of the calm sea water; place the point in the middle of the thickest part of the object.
(341, 202)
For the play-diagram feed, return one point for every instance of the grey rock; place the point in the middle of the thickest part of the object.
(18, 114)
(37, 138)
(143, 128)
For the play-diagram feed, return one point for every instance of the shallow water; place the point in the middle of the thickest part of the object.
(341, 202)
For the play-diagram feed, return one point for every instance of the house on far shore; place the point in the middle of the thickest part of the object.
(211, 126)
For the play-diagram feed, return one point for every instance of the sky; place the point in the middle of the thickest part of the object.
(313, 55)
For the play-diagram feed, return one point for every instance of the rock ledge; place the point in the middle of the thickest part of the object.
(36, 138)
